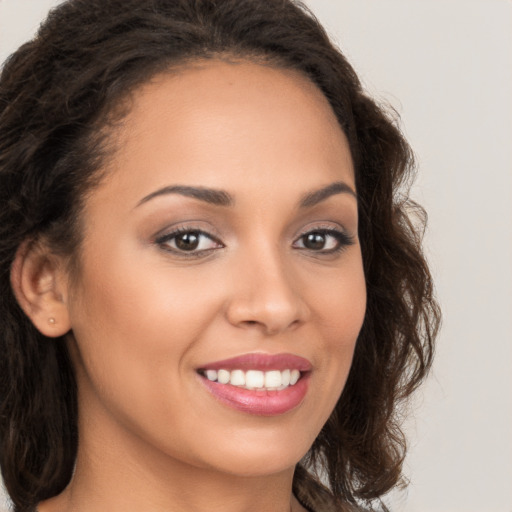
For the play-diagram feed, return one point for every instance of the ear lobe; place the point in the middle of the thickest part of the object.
(39, 282)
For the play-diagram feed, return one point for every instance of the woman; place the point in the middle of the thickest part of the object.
(209, 279)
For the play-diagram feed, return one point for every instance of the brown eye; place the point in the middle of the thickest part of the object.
(323, 241)
(188, 241)
(315, 241)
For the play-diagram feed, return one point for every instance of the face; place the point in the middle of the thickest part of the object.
(220, 253)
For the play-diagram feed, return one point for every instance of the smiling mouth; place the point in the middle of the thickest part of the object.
(273, 380)
(257, 383)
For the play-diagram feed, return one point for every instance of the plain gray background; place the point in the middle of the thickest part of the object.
(446, 66)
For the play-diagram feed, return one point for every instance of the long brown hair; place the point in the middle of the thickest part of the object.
(59, 98)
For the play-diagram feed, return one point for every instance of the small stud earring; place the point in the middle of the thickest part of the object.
(51, 320)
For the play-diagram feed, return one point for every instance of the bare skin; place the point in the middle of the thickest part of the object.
(278, 270)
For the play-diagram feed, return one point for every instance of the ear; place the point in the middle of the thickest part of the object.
(40, 283)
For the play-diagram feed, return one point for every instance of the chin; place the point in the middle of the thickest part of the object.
(254, 459)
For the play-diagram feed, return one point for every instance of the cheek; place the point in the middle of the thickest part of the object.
(136, 326)
(133, 322)
(342, 305)
(128, 295)
(339, 310)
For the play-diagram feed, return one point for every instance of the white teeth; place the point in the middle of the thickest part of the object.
(211, 375)
(223, 376)
(237, 378)
(273, 379)
(255, 379)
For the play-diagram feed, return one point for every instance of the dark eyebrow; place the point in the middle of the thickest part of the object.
(208, 195)
(317, 196)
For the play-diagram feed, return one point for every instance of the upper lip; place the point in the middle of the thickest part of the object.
(261, 361)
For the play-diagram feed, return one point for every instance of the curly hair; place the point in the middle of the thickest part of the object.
(59, 99)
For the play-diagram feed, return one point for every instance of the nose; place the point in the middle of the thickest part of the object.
(266, 295)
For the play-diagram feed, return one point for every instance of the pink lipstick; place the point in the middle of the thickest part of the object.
(260, 384)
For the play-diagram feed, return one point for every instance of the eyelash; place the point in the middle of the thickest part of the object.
(164, 240)
(342, 240)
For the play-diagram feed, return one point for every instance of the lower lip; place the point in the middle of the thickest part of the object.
(259, 403)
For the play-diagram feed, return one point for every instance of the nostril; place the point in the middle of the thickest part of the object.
(266, 311)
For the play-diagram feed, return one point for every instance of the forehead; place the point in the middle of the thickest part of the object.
(215, 119)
